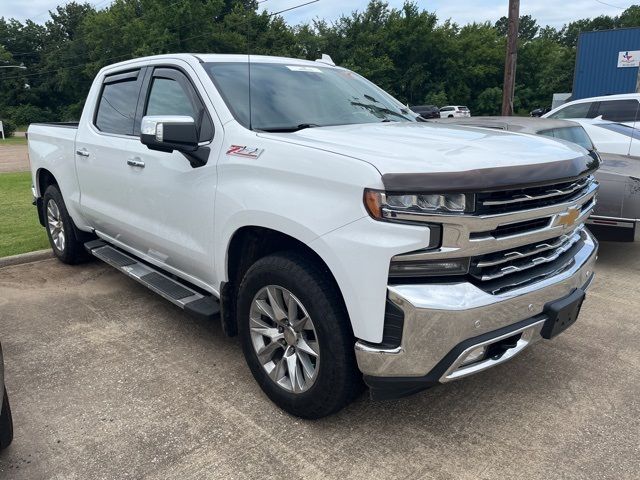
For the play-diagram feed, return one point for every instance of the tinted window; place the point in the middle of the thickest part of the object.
(579, 110)
(117, 108)
(570, 134)
(288, 97)
(167, 97)
(618, 110)
(447, 109)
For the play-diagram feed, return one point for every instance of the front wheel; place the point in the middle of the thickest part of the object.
(296, 336)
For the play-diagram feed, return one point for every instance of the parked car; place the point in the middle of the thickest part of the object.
(612, 137)
(320, 235)
(427, 111)
(617, 211)
(538, 112)
(6, 422)
(454, 111)
(622, 108)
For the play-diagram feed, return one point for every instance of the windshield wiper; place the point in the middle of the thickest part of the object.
(376, 108)
(299, 127)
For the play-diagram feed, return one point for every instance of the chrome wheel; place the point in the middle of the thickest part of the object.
(284, 339)
(56, 227)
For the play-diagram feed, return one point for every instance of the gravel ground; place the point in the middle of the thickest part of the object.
(109, 381)
(14, 158)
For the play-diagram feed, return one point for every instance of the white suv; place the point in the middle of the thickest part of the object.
(454, 111)
(615, 108)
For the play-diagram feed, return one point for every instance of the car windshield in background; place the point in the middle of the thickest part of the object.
(570, 134)
(287, 98)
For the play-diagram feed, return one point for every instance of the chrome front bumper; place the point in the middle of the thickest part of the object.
(440, 317)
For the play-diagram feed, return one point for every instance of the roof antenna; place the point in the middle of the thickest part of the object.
(249, 45)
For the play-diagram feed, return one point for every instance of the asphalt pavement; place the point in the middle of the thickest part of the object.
(108, 380)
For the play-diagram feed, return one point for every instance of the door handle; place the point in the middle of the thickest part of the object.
(135, 162)
(83, 152)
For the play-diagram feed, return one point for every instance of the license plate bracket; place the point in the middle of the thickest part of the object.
(562, 313)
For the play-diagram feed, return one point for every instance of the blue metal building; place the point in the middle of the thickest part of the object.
(607, 63)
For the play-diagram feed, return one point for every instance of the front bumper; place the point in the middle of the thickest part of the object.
(444, 320)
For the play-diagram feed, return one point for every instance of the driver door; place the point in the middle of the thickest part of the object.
(171, 202)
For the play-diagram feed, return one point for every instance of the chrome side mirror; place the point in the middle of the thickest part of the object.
(167, 133)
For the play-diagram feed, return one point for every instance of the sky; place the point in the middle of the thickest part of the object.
(546, 12)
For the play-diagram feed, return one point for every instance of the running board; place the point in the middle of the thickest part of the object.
(185, 297)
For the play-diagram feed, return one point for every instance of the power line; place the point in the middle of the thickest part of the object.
(36, 74)
(610, 5)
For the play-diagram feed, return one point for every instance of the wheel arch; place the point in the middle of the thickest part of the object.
(247, 245)
(44, 178)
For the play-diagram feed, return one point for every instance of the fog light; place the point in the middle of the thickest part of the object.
(475, 355)
(426, 268)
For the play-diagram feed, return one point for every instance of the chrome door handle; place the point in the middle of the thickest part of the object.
(83, 152)
(135, 162)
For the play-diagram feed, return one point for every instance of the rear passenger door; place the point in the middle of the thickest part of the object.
(103, 144)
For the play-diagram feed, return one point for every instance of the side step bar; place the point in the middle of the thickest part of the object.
(198, 304)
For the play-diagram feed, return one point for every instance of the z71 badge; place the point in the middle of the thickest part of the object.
(248, 152)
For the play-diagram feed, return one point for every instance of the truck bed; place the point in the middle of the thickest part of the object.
(58, 124)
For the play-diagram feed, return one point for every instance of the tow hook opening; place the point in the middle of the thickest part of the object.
(492, 352)
(496, 350)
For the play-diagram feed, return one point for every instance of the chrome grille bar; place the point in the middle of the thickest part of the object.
(554, 192)
(537, 249)
(554, 254)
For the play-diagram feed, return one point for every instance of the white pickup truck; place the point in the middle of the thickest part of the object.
(313, 215)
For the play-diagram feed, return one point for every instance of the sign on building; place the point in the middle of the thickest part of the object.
(629, 59)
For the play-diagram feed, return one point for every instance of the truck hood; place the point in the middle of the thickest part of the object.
(423, 156)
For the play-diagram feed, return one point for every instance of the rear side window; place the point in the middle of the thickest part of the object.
(618, 110)
(167, 97)
(117, 107)
(579, 110)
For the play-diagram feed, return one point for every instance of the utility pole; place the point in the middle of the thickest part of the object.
(511, 59)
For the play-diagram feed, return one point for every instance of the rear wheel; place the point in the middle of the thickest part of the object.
(6, 423)
(63, 236)
(296, 337)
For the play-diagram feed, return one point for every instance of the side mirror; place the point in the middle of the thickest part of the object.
(167, 133)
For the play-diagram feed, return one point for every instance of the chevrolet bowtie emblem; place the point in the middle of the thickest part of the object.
(569, 217)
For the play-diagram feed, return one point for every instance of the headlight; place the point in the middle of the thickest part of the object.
(400, 207)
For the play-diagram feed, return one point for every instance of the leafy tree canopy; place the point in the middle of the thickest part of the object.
(407, 51)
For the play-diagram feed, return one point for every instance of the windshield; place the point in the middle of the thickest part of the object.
(571, 134)
(291, 97)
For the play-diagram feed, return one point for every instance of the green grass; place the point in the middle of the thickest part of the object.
(20, 230)
(13, 141)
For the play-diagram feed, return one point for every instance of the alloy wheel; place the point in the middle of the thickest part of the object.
(56, 227)
(284, 339)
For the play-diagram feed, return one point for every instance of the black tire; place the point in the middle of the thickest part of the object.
(6, 423)
(450, 116)
(338, 379)
(72, 251)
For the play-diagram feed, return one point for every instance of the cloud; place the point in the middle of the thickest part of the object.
(546, 12)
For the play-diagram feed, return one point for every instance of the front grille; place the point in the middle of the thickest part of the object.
(500, 271)
(513, 229)
(534, 197)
